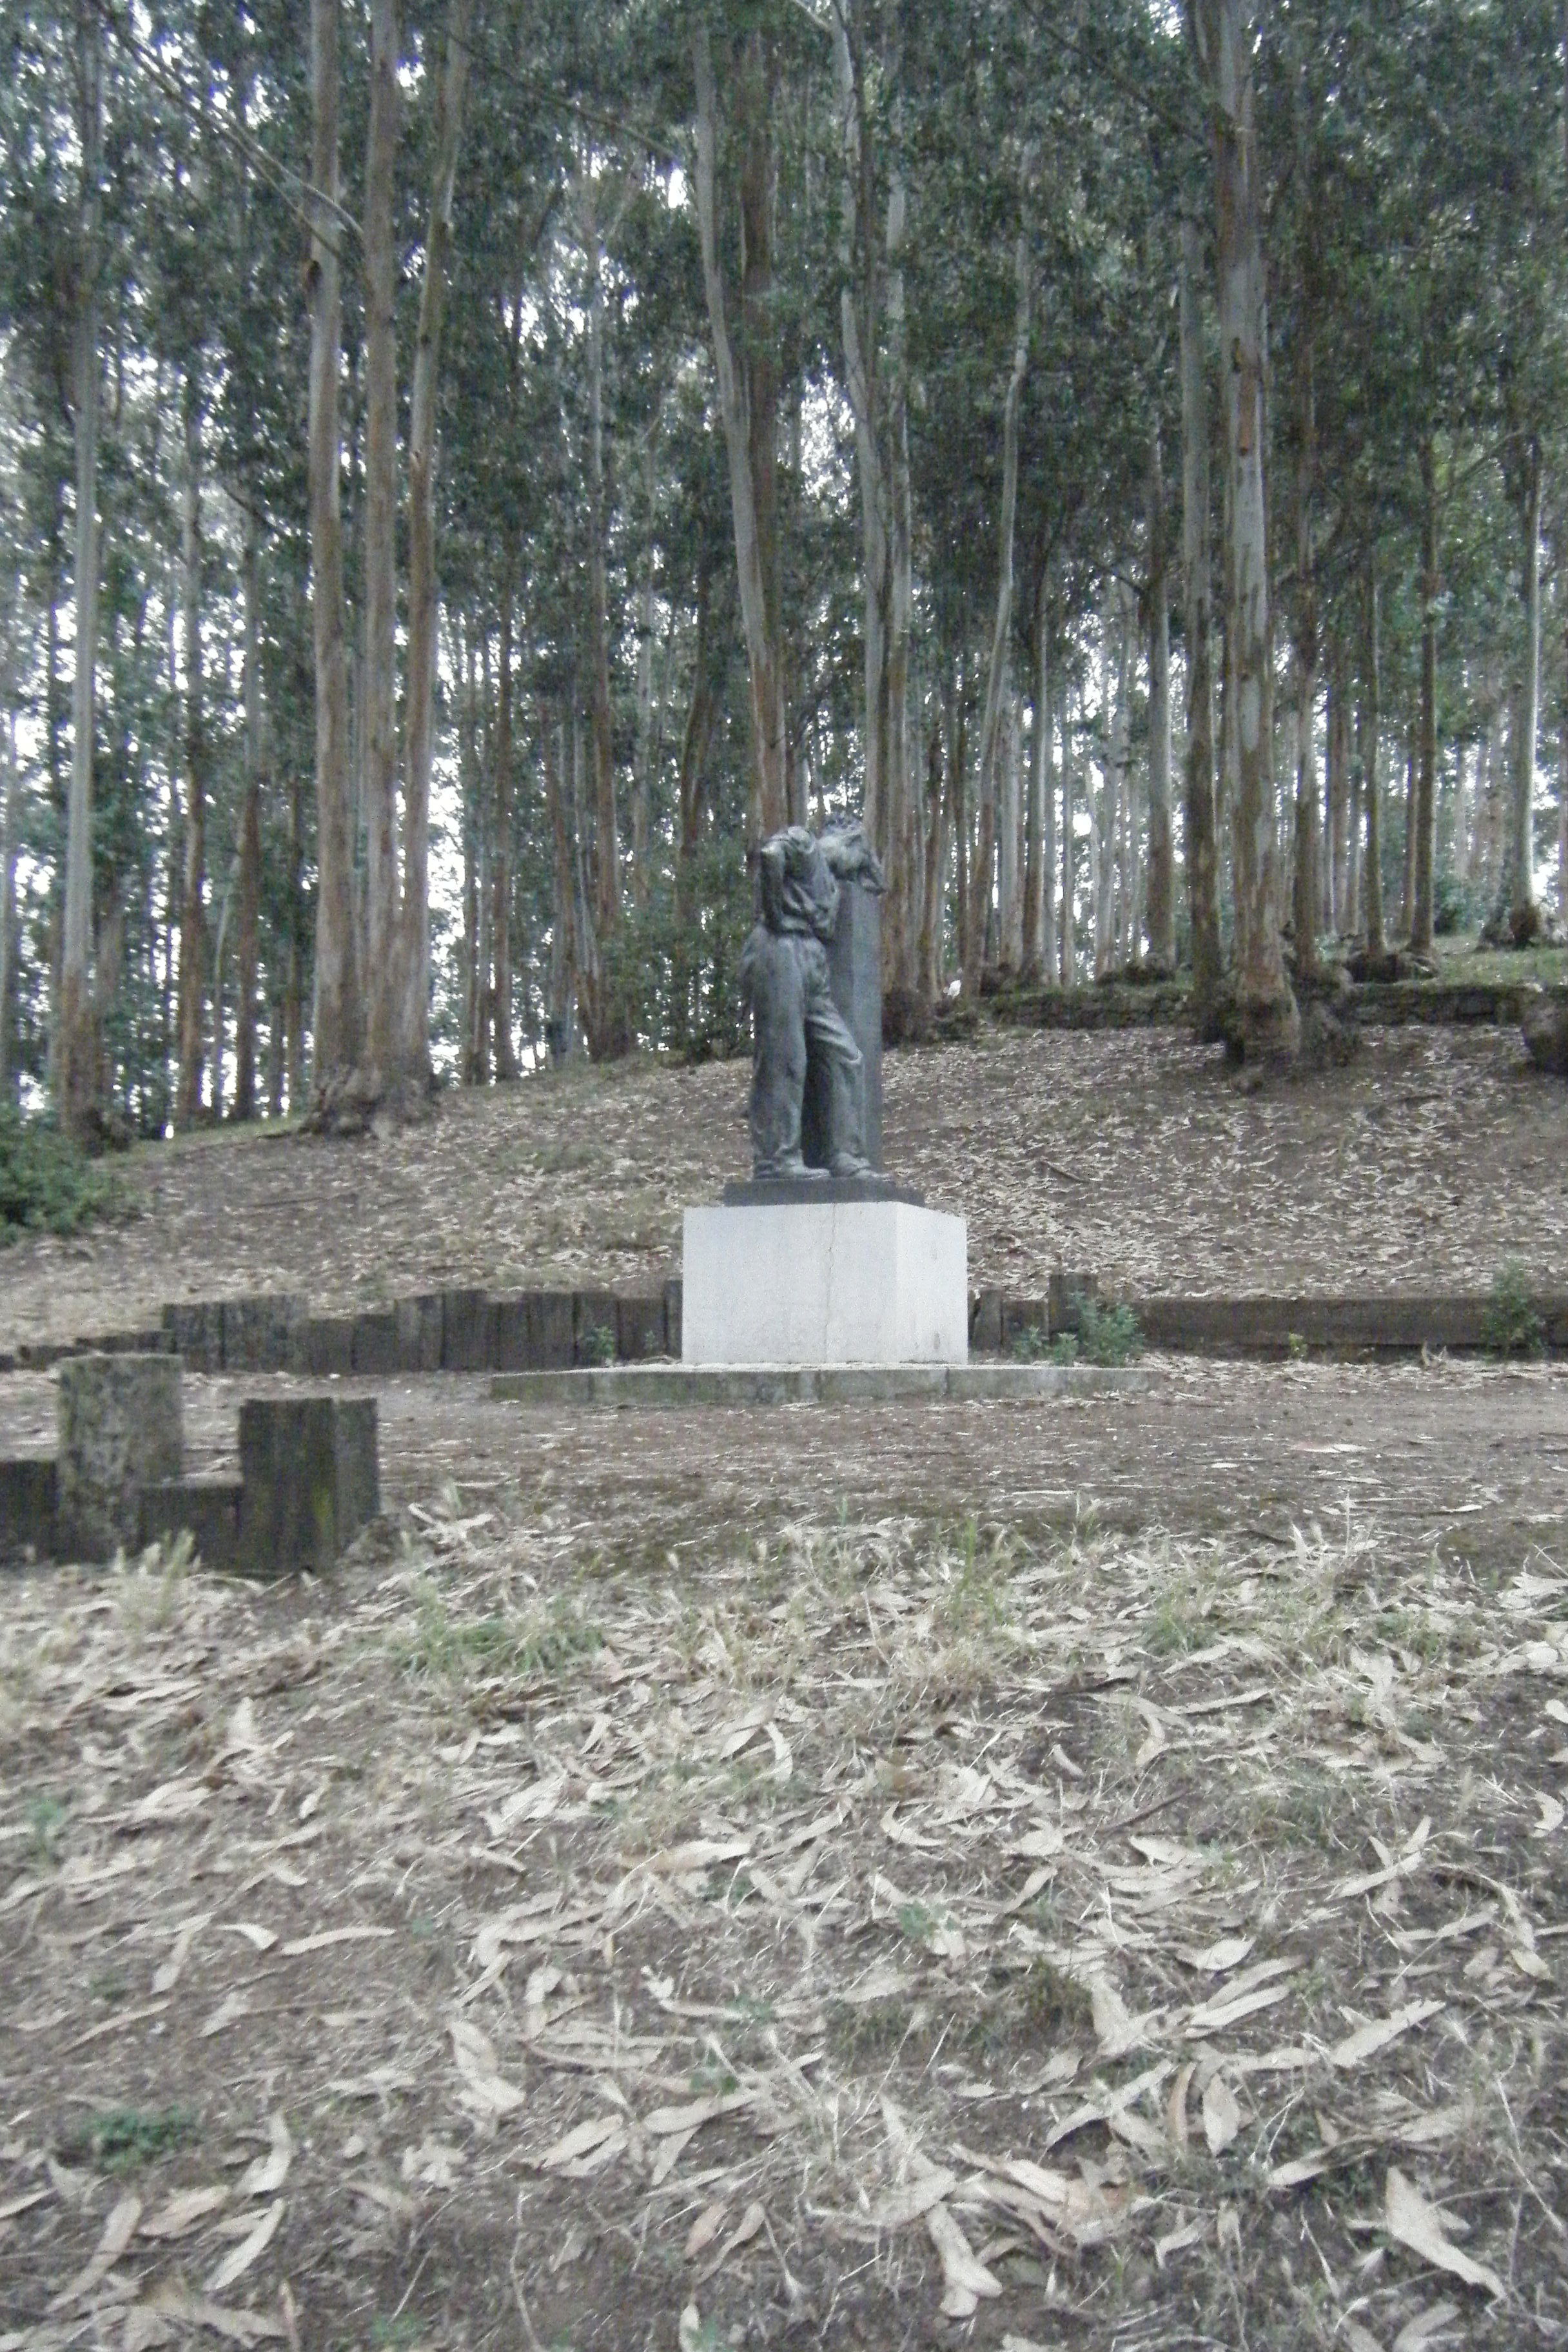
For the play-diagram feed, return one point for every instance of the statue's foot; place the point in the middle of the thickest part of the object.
(773, 1171)
(846, 1164)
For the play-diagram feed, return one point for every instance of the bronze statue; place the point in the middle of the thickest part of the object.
(796, 1026)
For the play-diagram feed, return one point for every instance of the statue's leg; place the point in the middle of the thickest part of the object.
(828, 1036)
(778, 1054)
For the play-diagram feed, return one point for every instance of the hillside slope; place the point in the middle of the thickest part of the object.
(1420, 1169)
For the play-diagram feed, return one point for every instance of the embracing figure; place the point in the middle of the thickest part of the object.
(795, 1024)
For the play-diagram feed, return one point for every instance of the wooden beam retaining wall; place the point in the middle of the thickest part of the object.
(473, 1330)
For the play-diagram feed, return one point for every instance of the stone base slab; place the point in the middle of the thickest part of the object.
(750, 1384)
(814, 1188)
(829, 1282)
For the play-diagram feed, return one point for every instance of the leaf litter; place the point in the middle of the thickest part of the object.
(924, 2015)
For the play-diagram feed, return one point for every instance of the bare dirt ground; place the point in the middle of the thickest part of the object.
(1074, 1876)
(1421, 1168)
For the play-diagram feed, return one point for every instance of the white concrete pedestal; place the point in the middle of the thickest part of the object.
(836, 1282)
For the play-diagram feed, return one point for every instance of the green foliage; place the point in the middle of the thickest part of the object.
(1056, 2007)
(454, 1649)
(46, 1819)
(1032, 1345)
(1513, 1327)
(1064, 1348)
(1453, 906)
(122, 2139)
(599, 1345)
(1108, 1335)
(46, 1185)
(916, 1922)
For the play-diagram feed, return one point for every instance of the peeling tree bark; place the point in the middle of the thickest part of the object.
(605, 1020)
(338, 1004)
(1040, 863)
(1201, 845)
(1370, 721)
(500, 847)
(412, 1038)
(1523, 914)
(983, 877)
(1423, 810)
(1161, 902)
(1069, 860)
(767, 808)
(75, 1042)
(249, 880)
(1223, 34)
(1306, 888)
(379, 714)
(192, 913)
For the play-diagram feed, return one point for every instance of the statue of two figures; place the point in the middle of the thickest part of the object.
(811, 975)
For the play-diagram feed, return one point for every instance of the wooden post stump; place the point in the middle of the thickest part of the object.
(120, 1430)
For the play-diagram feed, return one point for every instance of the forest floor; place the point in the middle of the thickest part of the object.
(1081, 1874)
(1420, 1168)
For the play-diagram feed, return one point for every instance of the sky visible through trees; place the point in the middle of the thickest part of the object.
(469, 470)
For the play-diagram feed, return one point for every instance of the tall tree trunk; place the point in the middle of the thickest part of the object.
(337, 982)
(192, 908)
(904, 860)
(858, 310)
(248, 951)
(931, 957)
(1009, 877)
(564, 922)
(1370, 729)
(500, 847)
(1307, 889)
(642, 782)
(690, 812)
(1425, 798)
(379, 721)
(294, 968)
(1407, 884)
(957, 730)
(1350, 925)
(608, 1029)
(10, 827)
(1162, 901)
(981, 880)
(1113, 788)
(76, 1054)
(1041, 866)
(1523, 914)
(754, 522)
(1270, 1025)
(1337, 918)
(1197, 625)
(1067, 943)
(468, 792)
(413, 959)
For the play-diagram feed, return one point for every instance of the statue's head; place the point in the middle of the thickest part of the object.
(796, 885)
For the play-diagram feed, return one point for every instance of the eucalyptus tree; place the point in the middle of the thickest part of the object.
(1224, 35)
